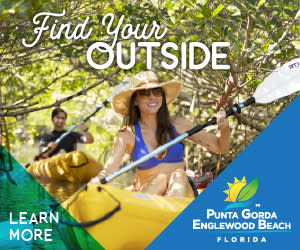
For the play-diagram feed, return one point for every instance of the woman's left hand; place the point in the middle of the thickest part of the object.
(221, 119)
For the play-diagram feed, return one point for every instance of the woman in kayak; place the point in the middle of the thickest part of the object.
(148, 126)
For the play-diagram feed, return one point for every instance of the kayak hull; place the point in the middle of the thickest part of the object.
(75, 167)
(120, 219)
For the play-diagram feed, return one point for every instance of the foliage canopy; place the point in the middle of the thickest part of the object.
(263, 34)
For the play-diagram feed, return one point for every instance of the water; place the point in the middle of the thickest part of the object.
(30, 197)
(35, 196)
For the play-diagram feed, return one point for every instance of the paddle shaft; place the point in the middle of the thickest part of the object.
(58, 140)
(236, 108)
(104, 104)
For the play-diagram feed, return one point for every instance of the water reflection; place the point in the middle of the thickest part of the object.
(61, 191)
(30, 196)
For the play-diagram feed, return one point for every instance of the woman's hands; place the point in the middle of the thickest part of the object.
(99, 177)
(222, 120)
(114, 161)
(224, 139)
(218, 144)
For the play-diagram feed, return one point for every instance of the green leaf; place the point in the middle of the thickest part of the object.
(288, 12)
(236, 13)
(169, 5)
(218, 9)
(206, 12)
(261, 2)
(298, 14)
(202, 2)
(6, 37)
(248, 191)
(274, 37)
(275, 13)
(35, 4)
(296, 44)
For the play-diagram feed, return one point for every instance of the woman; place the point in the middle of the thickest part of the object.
(148, 126)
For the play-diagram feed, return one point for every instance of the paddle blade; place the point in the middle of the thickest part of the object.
(282, 82)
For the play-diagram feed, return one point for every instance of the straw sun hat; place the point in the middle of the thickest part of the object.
(144, 80)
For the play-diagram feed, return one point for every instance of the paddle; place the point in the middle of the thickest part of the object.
(104, 104)
(282, 82)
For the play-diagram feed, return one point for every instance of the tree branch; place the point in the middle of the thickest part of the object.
(59, 102)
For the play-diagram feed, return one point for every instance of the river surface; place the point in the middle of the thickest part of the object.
(31, 197)
(21, 193)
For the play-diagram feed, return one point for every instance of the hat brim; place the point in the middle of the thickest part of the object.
(121, 101)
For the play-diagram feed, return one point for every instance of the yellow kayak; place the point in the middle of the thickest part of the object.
(75, 167)
(117, 219)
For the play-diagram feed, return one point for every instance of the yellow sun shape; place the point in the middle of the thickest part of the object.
(234, 189)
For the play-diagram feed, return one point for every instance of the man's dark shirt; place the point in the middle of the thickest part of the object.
(68, 143)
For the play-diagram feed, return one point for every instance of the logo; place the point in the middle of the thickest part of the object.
(239, 193)
(294, 65)
(248, 222)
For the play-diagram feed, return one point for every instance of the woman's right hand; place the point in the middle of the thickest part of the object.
(95, 180)
(99, 177)
(116, 155)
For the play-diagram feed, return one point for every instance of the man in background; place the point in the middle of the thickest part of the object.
(68, 144)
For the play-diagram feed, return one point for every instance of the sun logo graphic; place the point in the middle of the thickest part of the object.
(239, 193)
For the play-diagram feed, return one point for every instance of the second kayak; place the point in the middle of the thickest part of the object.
(75, 167)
